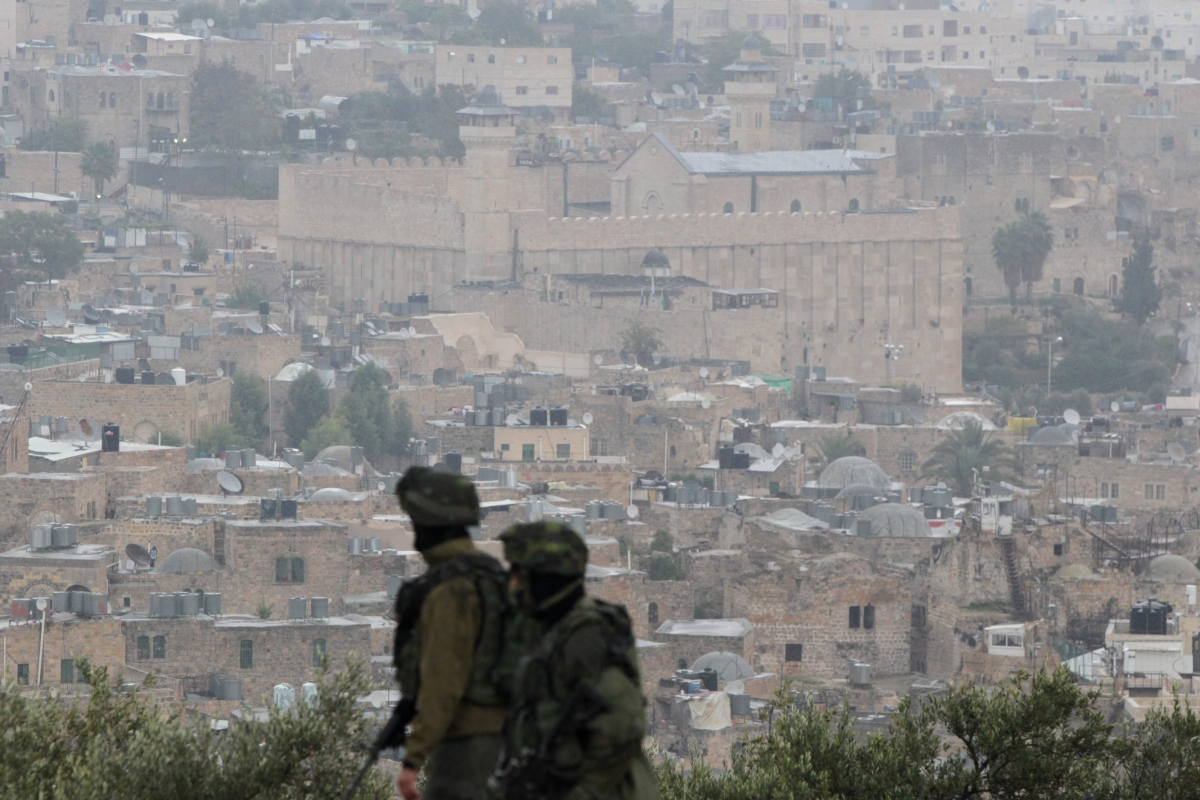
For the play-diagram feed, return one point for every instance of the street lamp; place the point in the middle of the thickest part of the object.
(1050, 358)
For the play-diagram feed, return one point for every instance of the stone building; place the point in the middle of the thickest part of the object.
(524, 77)
(750, 87)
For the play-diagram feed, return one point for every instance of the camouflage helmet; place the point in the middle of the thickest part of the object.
(546, 547)
(438, 499)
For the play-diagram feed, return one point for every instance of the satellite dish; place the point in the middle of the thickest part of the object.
(220, 372)
(598, 359)
(991, 127)
(412, 331)
(56, 317)
(230, 483)
(1117, 119)
(1176, 451)
(702, 106)
(1156, 42)
(511, 419)
(404, 333)
(656, 98)
(851, 62)
(934, 81)
(777, 450)
(1022, 72)
(901, 6)
(199, 24)
(382, 486)
(90, 429)
(29, 387)
(351, 144)
(1114, 406)
(705, 403)
(704, 372)
(211, 23)
(83, 377)
(1071, 416)
(254, 328)
(89, 314)
(41, 604)
(631, 511)
(676, 88)
(325, 341)
(587, 418)
(137, 554)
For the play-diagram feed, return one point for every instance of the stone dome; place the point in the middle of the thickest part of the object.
(857, 490)
(315, 469)
(488, 96)
(959, 419)
(1171, 569)
(728, 666)
(186, 559)
(852, 469)
(751, 42)
(895, 520)
(1050, 436)
(341, 454)
(656, 258)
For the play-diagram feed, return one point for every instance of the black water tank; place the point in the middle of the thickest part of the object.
(125, 375)
(148, 377)
(287, 509)
(453, 462)
(558, 416)
(17, 353)
(1149, 617)
(725, 457)
(708, 676)
(110, 438)
(539, 417)
(268, 508)
(264, 308)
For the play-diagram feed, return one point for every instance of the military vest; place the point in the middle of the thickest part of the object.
(497, 649)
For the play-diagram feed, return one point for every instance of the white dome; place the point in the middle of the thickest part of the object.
(852, 469)
(959, 419)
(187, 559)
(895, 520)
(330, 494)
(728, 666)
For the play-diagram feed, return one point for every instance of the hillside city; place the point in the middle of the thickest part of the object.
(857, 339)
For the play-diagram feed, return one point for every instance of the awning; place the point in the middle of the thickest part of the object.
(1063, 203)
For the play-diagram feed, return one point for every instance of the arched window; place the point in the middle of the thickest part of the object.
(103, 97)
(853, 206)
(170, 99)
(51, 95)
(795, 206)
(318, 652)
(160, 647)
(967, 283)
(728, 208)
(112, 99)
(1077, 287)
(143, 648)
(289, 570)
(652, 614)
(159, 99)
(941, 201)
(672, 451)
(1112, 285)
(953, 202)
(246, 654)
(652, 205)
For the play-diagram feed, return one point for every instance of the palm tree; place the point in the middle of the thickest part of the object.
(1020, 250)
(99, 163)
(956, 459)
(839, 445)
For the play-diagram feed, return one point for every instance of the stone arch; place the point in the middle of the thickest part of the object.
(1113, 284)
(795, 206)
(467, 350)
(728, 209)
(853, 205)
(653, 205)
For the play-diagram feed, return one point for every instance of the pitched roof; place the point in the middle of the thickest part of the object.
(772, 162)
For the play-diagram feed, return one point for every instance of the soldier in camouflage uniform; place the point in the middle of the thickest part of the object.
(450, 631)
(578, 715)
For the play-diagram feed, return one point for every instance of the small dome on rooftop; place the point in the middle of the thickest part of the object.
(488, 96)
(850, 470)
(1171, 569)
(751, 42)
(1051, 436)
(893, 519)
(187, 559)
(656, 258)
(329, 494)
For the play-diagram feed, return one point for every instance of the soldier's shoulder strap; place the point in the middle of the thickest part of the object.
(412, 595)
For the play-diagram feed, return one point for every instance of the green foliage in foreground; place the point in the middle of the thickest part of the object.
(123, 746)
(1036, 738)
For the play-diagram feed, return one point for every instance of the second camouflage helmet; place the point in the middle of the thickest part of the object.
(438, 499)
(547, 547)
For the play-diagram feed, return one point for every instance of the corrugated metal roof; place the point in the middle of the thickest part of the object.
(779, 162)
(768, 464)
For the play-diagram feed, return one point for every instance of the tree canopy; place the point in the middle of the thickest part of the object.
(500, 22)
(962, 457)
(1140, 294)
(308, 403)
(41, 243)
(375, 116)
(1020, 250)
(248, 405)
(329, 432)
(66, 133)
(99, 163)
(229, 110)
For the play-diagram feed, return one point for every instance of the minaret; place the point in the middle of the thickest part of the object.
(750, 87)
(487, 130)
